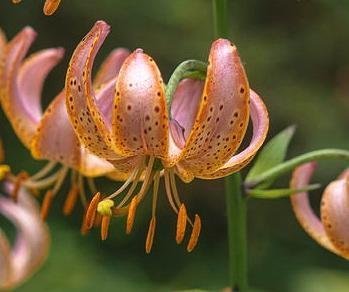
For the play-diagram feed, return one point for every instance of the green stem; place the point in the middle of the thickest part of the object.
(237, 238)
(220, 18)
(289, 165)
(236, 200)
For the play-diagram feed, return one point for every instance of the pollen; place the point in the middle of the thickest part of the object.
(150, 236)
(194, 237)
(51, 6)
(71, 200)
(4, 170)
(46, 204)
(181, 223)
(91, 210)
(104, 207)
(131, 215)
(105, 227)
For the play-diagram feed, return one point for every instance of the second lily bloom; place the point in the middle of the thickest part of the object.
(127, 122)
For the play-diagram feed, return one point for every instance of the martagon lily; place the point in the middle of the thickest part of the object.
(198, 136)
(19, 260)
(50, 6)
(331, 230)
(48, 134)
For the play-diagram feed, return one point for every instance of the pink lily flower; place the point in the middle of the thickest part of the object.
(48, 133)
(50, 6)
(199, 136)
(331, 230)
(20, 260)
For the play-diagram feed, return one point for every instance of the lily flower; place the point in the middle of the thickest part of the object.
(50, 6)
(48, 134)
(331, 230)
(198, 136)
(30, 247)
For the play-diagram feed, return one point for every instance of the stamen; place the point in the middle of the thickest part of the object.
(21, 177)
(145, 185)
(60, 179)
(105, 227)
(194, 237)
(181, 223)
(51, 6)
(91, 210)
(155, 192)
(125, 185)
(71, 200)
(131, 215)
(174, 188)
(46, 204)
(91, 185)
(98, 220)
(82, 192)
(168, 191)
(43, 171)
(148, 177)
(42, 184)
(150, 235)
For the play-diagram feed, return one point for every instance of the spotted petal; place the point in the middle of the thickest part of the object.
(260, 122)
(110, 67)
(303, 210)
(222, 117)
(140, 118)
(78, 80)
(334, 214)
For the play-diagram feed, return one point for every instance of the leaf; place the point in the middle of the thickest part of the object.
(272, 154)
(279, 193)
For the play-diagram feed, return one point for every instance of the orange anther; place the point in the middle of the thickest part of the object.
(181, 223)
(105, 227)
(131, 215)
(150, 235)
(194, 234)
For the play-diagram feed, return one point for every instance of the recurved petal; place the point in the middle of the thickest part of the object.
(140, 118)
(335, 214)
(23, 122)
(31, 77)
(222, 117)
(3, 42)
(184, 108)
(5, 262)
(260, 122)
(31, 243)
(110, 67)
(55, 139)
(78, 88)
(304, 213)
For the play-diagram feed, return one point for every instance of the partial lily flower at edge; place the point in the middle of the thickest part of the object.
(49, 134)
(331, 230)
(139, 136)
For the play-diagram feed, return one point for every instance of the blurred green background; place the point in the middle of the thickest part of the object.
(296, 56)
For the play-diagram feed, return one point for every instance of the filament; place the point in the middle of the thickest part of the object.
(91, 185)
(44, 171)
(82, 190)
(125, 185)
(168, 191)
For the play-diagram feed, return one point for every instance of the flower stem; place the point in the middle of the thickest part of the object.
(237, 238)
(235, 199)
(220, 18)
(289, 165)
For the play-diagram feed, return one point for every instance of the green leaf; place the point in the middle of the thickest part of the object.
(279, 193)
(272, 154)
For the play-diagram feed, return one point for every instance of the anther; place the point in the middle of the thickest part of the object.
(51, 6)
(4, 170)
(194, 234)
(150, 235)
(105, 227)
(46, 204)
(71, 200)
(91, 210)
(181, 223)
(131, 215)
